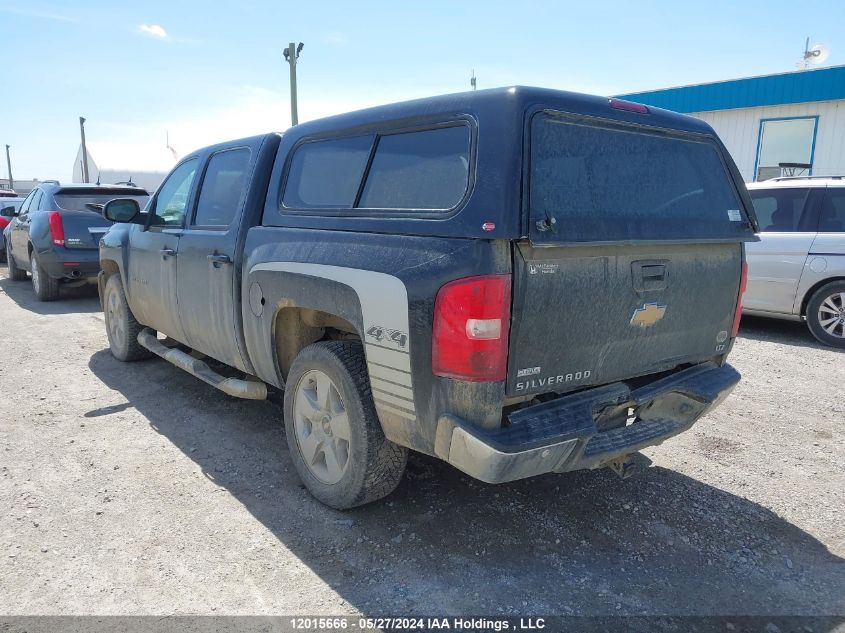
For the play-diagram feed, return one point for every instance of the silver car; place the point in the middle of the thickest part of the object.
(797, 269)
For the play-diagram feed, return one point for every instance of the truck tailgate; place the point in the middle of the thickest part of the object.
(589, 315)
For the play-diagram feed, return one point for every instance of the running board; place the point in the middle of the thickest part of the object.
(251, 389)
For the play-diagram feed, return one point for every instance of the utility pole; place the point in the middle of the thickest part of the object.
(84, 150)
(472, 79)
(291, 55)
(9, 165)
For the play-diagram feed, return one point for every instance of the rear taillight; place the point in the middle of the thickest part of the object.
(471, 323)
(743, 280)
(57, 229)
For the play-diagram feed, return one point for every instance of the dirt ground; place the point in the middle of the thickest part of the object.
(136, 489)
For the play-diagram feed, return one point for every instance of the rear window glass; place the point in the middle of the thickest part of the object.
(419, 170)
(87, 200)
(327, 173)
(779, 209)
(617, 184)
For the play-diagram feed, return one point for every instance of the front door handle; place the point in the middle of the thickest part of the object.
(219, 259)
(167, 252)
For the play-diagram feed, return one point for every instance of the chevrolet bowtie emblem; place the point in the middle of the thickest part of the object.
(648, 315)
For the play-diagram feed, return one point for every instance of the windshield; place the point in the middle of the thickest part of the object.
(88, 201)
(604, 183)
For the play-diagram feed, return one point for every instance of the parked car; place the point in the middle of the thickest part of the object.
(518, 281)
(797, 269)
(54, 234)
(8, 193)
(10, 205)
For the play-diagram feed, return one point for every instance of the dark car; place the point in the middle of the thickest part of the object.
(55, 234)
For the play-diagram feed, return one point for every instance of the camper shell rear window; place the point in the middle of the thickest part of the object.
(599, 181)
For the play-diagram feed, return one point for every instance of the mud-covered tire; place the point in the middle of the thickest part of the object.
(374, 465)
(15, 273)
(45, 287)
(121, 326)
(826, 314)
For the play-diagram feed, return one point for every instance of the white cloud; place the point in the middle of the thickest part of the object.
(153, 30)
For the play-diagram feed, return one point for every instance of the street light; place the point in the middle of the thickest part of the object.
(291, 55)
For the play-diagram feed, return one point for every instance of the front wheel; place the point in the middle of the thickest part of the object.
(826, 314)
(121, 326)
(46, 288)
(333, 432)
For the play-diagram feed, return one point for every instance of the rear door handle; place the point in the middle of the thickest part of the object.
(167, 252)
(219, 259)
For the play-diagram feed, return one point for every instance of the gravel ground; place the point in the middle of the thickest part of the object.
(136, 489)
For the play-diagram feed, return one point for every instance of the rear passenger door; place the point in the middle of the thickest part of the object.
(775, 264)
(207, 273)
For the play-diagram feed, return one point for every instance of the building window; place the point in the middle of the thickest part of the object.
(785, 147)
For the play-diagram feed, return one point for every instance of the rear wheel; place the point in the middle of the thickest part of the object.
(826, 314)
(334, 435)
(121, 326)
(15, 273)
(46, 288)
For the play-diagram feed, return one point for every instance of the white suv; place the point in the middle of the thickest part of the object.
(797, 269)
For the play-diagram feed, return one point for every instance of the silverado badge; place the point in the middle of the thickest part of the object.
(648, 315)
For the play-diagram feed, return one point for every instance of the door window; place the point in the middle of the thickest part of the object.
(172, 198)
(832, 212)
(222, 188)
(26, 203)
(35, 205)
(781, 210)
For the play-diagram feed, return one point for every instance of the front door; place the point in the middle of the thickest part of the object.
(154, 250)
(776, 262)
(20, 229)
(208, 275)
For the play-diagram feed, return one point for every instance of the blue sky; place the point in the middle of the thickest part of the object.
(209, 71)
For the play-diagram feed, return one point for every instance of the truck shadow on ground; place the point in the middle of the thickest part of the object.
(586, 543)
(780, 331)
(82, 299)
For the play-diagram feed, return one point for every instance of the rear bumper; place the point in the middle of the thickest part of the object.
(565, 434)
(70, 263)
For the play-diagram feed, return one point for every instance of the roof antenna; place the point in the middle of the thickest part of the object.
(98, 177)
(472, 79)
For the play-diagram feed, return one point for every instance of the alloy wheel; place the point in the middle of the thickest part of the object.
(114, 319)
(832, 314)
(36, 275)
(321, 425)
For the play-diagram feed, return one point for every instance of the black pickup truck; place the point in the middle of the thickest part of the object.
(517, 281)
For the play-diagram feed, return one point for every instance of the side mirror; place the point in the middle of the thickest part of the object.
(124, 210)
(9, 212)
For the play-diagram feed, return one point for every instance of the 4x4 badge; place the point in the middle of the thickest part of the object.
(648, 315)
